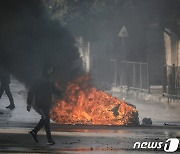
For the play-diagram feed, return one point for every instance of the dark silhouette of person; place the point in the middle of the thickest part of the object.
(42, 93)
(5, 81)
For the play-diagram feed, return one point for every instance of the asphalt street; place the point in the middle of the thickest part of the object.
(15, 124)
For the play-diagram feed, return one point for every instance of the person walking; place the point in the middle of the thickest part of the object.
(42, 93)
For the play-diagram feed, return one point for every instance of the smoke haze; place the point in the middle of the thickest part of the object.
(29, 38)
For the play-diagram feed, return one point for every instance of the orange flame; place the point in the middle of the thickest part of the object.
(84, 105)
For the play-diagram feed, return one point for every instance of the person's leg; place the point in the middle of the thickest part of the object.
(34, 132)
(48, 132)
(47, 127)
(46, 118)
(1, 90)
(8, 93)
(39, 125)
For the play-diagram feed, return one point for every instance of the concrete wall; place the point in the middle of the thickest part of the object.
(155, 55)
(172, 48)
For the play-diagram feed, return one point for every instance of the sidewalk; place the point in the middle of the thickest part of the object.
(156, 94)
(19, 114)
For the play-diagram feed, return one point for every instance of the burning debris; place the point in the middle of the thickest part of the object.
(84, 105)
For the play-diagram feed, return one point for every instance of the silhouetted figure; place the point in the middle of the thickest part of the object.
(42, 92)
(5, 81)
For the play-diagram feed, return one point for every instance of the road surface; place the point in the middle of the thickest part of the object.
(15, 124)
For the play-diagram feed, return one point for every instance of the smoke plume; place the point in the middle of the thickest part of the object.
(29, 38)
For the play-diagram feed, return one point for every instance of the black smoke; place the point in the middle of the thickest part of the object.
(29, 38)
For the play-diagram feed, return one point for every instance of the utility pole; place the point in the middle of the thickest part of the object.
(115, 71)
(123, 34)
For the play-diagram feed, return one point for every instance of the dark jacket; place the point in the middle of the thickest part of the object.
(42, 93)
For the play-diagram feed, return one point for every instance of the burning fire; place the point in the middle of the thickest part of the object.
(84, 105)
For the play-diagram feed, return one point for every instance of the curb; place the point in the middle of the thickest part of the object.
(145, 96)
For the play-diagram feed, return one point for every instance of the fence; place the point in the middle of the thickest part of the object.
(102, 71)
(171, 80)
(110, 72)
(134, 75)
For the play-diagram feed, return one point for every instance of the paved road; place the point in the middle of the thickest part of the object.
(159, 112)
(85, 139)
(14, 126)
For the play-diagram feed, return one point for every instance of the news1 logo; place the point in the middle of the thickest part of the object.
(171, 145)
